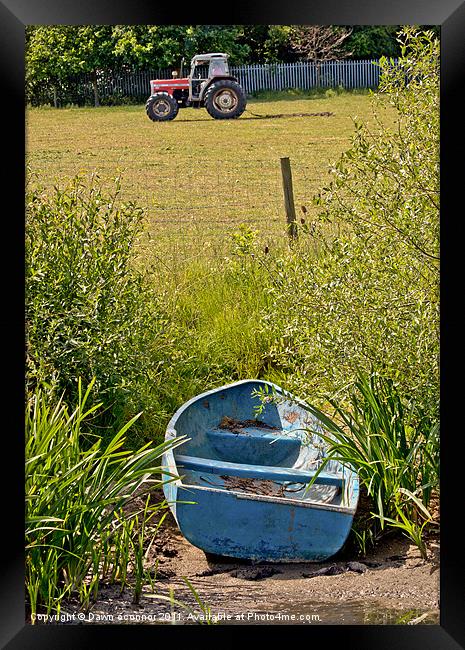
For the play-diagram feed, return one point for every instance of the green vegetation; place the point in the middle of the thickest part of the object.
(373, 41)
(78, 528)
(372, 300)
(394, 447)
(179, 280)
(90, 314)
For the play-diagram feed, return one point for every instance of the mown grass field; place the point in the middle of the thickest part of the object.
(199, 178)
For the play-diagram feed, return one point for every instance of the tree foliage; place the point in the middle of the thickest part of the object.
(267, 43)
(373, 41)
(54, 53)
(146, 46)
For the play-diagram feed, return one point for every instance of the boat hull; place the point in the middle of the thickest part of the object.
(260, 529)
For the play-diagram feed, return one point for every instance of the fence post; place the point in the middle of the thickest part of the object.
(289, 198)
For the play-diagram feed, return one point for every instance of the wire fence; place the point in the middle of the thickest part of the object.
(119, 87)
(194, 213)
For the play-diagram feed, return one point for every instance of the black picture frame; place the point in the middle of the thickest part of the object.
(14, 15)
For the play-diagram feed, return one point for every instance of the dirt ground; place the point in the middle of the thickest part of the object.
(391, 585)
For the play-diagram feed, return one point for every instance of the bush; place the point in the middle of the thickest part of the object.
(89, 312)
(369, 296)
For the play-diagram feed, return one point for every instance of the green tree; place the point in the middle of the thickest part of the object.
(373, 41)
(94, 51)
(54, 53)
(49, 57)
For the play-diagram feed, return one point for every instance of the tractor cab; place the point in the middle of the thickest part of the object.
(204, 68)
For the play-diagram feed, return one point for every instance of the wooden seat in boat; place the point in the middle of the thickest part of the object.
(263, 472)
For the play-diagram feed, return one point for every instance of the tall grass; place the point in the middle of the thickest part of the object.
(151, 335)
(213, 308)
(77, 529)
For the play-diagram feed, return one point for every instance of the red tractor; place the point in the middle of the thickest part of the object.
(208, 85)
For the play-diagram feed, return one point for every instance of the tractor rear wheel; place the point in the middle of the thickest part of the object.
(225, 100)
(161, 107)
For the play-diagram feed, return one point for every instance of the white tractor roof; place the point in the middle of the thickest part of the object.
(207, 57)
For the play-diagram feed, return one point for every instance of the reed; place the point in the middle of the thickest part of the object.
(394, 447)
(78, 529)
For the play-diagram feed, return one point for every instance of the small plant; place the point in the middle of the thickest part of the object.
(365, 539)
(245, 240)
(205, 617)
(204, 608)
(137, 541)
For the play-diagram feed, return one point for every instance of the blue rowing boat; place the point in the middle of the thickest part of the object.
(242, 487)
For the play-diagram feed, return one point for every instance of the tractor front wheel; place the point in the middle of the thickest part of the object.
(161, 107)
(225, 100)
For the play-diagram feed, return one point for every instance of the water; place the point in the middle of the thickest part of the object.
(307, 613)
(340, 613)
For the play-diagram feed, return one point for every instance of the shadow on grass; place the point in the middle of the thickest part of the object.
(253, 116)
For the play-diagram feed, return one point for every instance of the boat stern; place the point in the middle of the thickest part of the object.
(261, 528)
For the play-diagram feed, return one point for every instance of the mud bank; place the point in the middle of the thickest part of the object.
(392, 585)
